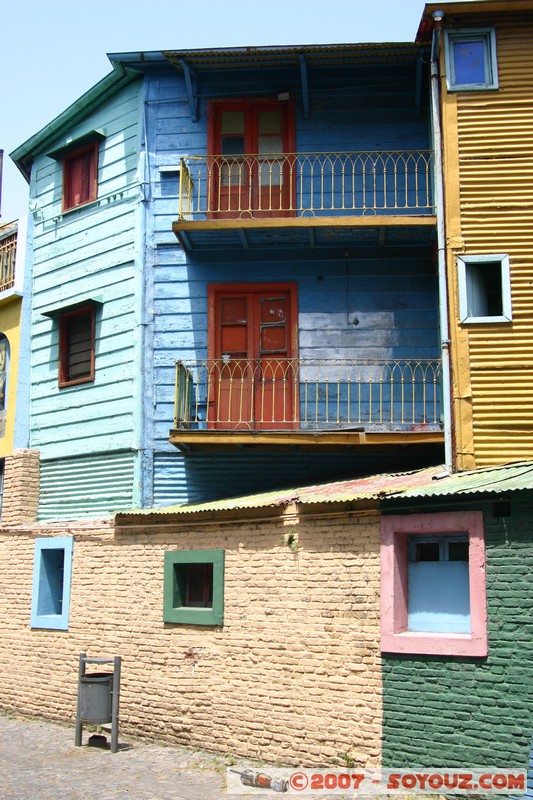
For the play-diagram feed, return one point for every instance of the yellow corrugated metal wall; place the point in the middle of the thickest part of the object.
(488, 156)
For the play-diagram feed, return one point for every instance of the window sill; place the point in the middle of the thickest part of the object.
(193, 616)
(50, 623)
(431, 644)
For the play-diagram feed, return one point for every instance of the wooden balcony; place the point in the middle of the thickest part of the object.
(8, 251)
(307, 402)
(287, 191)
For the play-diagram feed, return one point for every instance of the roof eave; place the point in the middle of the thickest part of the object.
(24, 155)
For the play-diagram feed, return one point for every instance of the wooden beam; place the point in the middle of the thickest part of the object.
(202, 439)
(392, 220)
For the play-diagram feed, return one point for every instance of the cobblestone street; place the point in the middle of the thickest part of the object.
(38, 761)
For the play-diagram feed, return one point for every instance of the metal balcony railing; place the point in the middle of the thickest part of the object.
(294, 184)
(8, 250)
(307, 394)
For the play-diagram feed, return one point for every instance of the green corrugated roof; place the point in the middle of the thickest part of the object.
(425, 483)
(507, 478)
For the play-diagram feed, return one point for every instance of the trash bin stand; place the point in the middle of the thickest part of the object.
(113, 681)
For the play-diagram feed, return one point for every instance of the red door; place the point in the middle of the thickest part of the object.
(250, 173)
(252, 375)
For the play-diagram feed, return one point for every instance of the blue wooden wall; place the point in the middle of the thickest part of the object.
(108, 440)
(381, 305)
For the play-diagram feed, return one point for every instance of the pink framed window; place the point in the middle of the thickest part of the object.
(433, 584)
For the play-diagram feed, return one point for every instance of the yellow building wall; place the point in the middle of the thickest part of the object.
(488, 173)
(10, 312)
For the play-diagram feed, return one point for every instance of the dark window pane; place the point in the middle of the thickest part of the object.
(458, 551)
(427, 551)
(199, 585)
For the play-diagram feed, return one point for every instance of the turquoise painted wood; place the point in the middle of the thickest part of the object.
(88, 253)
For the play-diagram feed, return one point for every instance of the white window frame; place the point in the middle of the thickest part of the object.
(488, 36)
(505, 275)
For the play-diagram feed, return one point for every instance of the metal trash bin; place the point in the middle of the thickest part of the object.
(96, 697)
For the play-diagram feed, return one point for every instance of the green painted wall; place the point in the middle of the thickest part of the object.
(440, 711)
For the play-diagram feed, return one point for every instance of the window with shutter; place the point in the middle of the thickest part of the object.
(80, 173)
(76, 346)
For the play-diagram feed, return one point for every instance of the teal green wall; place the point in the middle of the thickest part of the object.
(459, 712)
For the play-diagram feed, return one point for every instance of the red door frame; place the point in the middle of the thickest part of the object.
(217, 290)
(251, 108)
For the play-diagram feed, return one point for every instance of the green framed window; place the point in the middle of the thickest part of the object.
(193, 589)
(471, 63)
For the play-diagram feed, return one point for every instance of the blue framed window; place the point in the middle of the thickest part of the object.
(52, 570)
(471, 59)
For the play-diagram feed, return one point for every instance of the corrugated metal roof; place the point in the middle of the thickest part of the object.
(315, 55)
(506, 478)
(369, 488)
(428, 482)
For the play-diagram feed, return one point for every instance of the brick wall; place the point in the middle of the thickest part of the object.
(292, 676)
(20, 500)
(473, 712)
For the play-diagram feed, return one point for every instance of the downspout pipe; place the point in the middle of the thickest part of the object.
(441, 246)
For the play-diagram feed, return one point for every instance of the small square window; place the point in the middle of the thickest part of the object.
(77, 346)
(471, 59)
(80, 176)
(52, 571)
(194, 587)
(484, 288)
(433, 584)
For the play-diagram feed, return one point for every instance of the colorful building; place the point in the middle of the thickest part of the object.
(272, 267)
(244, 244)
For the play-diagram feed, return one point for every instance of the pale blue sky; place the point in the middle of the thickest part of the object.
(53, 52)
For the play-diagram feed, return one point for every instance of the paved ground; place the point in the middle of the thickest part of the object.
(38, 761)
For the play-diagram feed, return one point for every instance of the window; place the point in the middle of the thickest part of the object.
(52, 571)
(433, 584)
(80, 176)
(484, 288)
(4, 375)
(194, 587)
(438, 584)
(76, 346)
(471, 59)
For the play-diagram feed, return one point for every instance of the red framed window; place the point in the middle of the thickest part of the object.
(251, 142)
(80, 176)
(77, 346)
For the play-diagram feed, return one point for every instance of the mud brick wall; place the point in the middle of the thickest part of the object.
(21, 487)
(292, 676)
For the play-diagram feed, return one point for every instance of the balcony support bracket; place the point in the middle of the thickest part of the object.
(305, 86)
(191, 87)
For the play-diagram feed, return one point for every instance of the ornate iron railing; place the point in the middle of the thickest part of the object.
(8, 250)
(308, 394)
(291, 184)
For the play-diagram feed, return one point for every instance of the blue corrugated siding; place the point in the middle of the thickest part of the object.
(86, 487)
